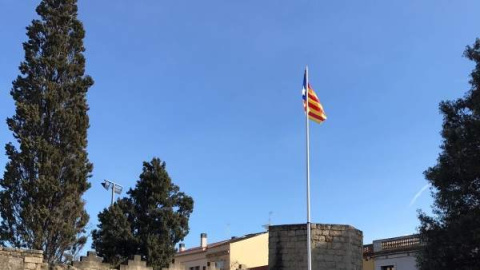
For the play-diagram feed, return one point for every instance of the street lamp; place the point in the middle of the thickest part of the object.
(116, 188)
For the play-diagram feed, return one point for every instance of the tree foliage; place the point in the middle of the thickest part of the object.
(40, 201)
(149, 222)
(452, 235)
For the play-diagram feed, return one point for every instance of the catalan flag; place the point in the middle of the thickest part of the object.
(315, 108)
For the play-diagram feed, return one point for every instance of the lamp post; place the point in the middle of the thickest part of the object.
(116, 188)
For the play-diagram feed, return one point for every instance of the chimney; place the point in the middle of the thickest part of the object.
(203, 240)
(181, 247)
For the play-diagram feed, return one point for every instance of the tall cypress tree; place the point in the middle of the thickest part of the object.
(46, 175)
(452, 235)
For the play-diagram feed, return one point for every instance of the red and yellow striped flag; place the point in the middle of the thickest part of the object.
(315, 108)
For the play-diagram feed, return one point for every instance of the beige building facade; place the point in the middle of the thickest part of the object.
(368, 260)
(397, 253)
(246, 252)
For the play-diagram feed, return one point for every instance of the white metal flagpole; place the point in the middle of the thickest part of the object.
(309, 241)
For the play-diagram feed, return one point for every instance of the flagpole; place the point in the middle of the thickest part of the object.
(309, 241)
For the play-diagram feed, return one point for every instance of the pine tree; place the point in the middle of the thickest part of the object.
(40, 201)
(452, 235)
(155, 218)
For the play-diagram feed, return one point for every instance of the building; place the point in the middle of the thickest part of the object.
(246, 252)
(368, 260)
(397, 253)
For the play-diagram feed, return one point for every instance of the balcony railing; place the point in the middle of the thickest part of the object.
(367, 251)
(410, 242)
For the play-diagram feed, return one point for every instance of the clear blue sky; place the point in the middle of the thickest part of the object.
(213, 88)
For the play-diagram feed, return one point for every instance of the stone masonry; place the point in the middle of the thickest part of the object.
(24, 259)
(136, 264)
(91, 261)
(334, 247)
(21, 259)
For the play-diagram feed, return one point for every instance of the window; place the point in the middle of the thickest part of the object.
(388, 267)
(197, 267)
(221, 265)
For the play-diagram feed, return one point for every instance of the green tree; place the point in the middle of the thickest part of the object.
(114, 239)
(46, 175)
(149, 222)
(452, 236)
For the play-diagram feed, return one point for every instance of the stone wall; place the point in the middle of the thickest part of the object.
(136, 264)
(91, 262)
(334, 247)
(23, 259)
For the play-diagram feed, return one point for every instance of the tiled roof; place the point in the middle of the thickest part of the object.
(265, 267)
(200, 249)
(216, 244)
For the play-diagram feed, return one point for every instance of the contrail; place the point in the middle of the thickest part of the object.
(414, 199)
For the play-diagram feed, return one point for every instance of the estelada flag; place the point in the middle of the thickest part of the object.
(315, 108)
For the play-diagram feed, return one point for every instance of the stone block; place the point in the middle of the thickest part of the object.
(33, 260)
(30, 266)
(136, 264)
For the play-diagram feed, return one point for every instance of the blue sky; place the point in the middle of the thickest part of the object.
(213, 88)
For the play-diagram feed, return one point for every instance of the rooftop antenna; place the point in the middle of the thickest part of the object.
(269, 221)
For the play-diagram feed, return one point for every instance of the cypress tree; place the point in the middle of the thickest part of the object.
(452, 236)
(41, 198)
(114, 240)
(155, 218)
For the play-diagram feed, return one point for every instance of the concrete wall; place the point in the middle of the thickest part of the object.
(334, 247)
(401, 261)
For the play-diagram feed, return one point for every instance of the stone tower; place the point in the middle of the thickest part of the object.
(334, 247)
